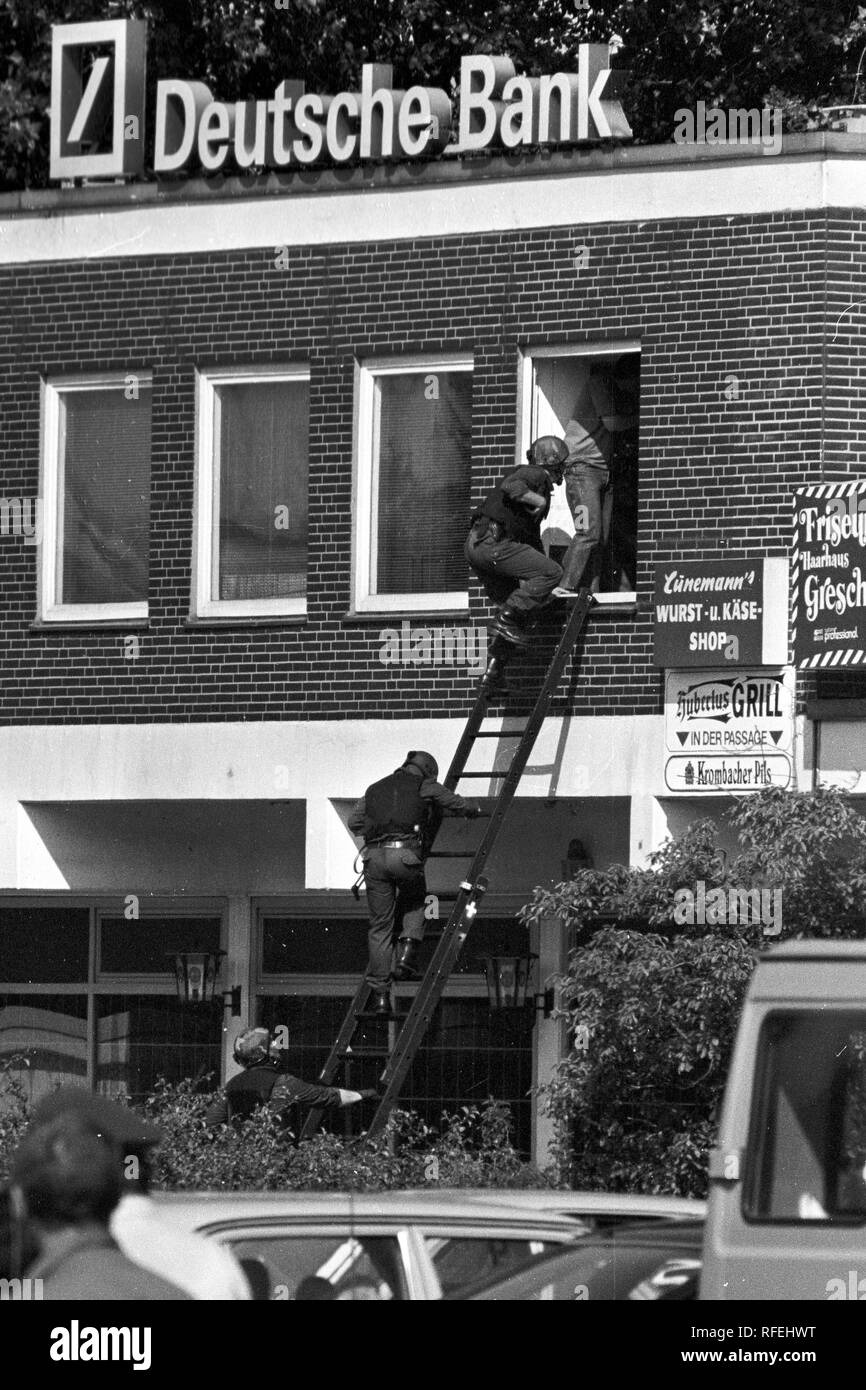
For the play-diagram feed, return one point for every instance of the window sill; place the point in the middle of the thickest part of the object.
(93, 624)
(447, 615)
(615, 605)
(254, 620)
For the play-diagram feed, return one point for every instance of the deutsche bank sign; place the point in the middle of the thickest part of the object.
(97, 112)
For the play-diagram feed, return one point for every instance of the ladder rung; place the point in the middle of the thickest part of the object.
(499, 733)
(359, 1053)
(491, 772)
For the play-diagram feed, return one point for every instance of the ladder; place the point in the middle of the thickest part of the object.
(399, 1059)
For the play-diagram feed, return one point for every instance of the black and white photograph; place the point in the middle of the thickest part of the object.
(432, 669)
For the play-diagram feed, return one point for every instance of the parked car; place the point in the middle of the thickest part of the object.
(596, 1210)
(374, 1245)
(639, 1263)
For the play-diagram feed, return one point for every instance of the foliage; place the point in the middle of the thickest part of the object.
(13, 1112)
(727, 53)
(473, 1149)
(653, 1002)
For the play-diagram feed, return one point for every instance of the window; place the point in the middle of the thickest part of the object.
(95, 499)
(252, 493)
(589, 396)
(88, 999)
(414, 440)
(463, 1262)
(309, 967)
(809, 1131)
(334, 1267)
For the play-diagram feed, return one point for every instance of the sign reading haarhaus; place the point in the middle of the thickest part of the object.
(828, 575)
(712, 612)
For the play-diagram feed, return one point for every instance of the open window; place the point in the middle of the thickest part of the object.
(589, 395)
(413, 450)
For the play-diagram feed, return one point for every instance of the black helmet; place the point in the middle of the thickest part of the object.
(549, 452)
(252, 1047)
(425, 761)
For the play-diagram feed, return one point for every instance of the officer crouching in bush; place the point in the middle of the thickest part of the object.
(263, 1083)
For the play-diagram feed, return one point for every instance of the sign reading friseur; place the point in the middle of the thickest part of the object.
(98, 115)
(721, 612)
(828, 575)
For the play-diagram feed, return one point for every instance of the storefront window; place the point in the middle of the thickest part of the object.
(591, 399)
(96, 498)
(252, 496)
(414, 447)
(63, 1021)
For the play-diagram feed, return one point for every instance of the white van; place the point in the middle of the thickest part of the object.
(786, 1216)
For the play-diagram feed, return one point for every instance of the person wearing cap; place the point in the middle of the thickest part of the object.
(398, 818)
(202, 1268)
(69, 1180)
(263, 1082)
(601, 433)
(504, 544)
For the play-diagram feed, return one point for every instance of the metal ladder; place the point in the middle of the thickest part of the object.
(466, 900)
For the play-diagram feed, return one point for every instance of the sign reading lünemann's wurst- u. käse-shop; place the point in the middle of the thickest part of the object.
(828, 575)
(97, 112)
(721, 613)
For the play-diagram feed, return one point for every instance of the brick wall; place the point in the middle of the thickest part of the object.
(751, 298)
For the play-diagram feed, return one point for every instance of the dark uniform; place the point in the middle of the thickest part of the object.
(263, 1085)
(398, 818)
(504, 544)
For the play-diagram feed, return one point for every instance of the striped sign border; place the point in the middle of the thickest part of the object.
(851, 656)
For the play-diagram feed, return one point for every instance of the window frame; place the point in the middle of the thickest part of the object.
(527, 356)
(98, 983)
(203, 605)
(52, 486)
(366, 489)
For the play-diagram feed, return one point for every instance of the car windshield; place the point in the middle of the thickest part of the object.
(809, 1135)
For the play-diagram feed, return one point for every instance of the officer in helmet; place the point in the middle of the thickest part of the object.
(398, 818)
(504, 545)
(262, 1082)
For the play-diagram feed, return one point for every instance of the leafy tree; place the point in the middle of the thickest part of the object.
(653, 998)
(729, 53)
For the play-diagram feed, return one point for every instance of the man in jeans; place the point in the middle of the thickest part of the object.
(504, 546)
(591, 436)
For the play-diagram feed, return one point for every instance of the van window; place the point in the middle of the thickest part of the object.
(809, 1119)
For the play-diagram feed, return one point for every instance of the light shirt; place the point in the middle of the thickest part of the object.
(200, 1267)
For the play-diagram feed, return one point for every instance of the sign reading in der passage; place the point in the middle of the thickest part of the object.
(721, 613)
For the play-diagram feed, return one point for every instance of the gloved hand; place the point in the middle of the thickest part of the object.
(475, 811)
(370, 1093)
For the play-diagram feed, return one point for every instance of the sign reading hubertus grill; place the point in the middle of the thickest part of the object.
(98, 117)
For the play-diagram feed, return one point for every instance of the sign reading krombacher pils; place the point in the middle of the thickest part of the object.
(828, 575)
(97, 112)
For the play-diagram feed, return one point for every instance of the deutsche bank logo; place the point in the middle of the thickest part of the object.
(97, 99)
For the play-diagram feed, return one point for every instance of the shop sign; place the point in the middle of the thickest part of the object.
(97, 112)
(720, 712)
(721, 612)
(828, 575)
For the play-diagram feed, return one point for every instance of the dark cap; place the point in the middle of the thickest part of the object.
(106, 1117)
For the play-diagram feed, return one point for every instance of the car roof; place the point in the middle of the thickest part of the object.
(814, 949)
(197, 1209)
(623, 1204)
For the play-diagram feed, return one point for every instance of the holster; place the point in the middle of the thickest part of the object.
(485, 526)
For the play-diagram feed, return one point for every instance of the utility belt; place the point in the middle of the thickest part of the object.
(482, 526)
(395, 842)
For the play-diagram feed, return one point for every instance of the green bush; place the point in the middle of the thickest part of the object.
(473, 1149)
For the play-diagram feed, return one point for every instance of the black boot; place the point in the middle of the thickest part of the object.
(380, 1002)
(510, 624)
(407, 955)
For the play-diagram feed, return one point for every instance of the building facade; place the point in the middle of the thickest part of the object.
(244, 423)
